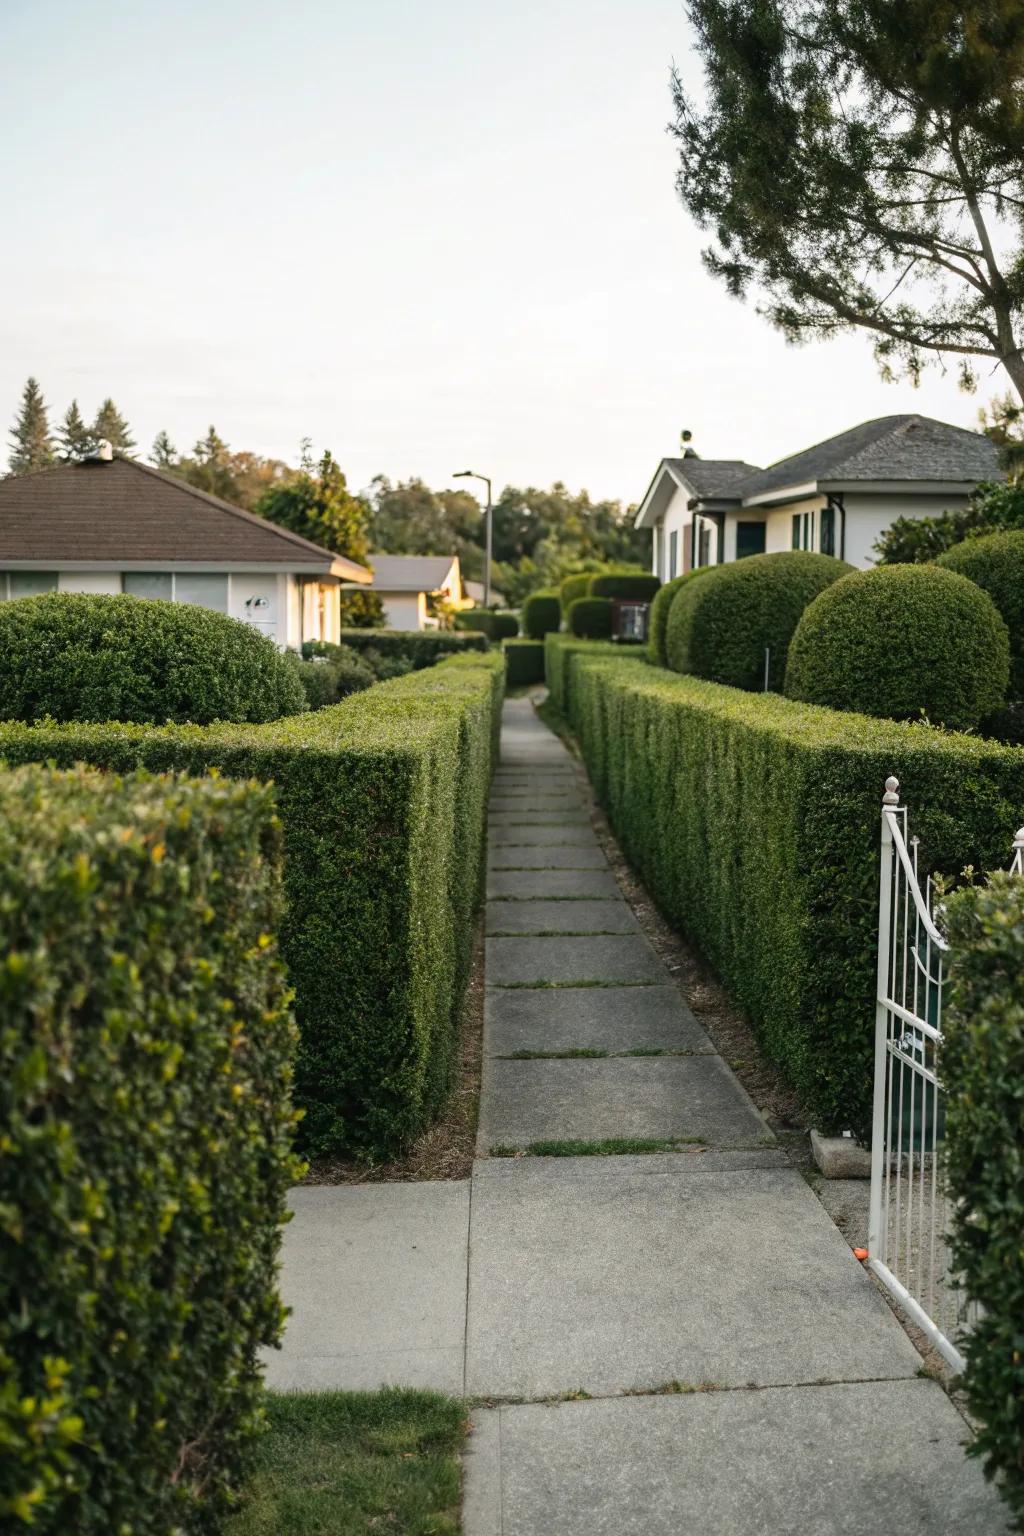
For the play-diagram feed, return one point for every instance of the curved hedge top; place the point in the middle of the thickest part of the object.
(71, 656)
(995, 563)
(630, 586)
(902, 642)
(660, 606)
(591, 618)
(574, 587)
(719, 627)
(541, 613)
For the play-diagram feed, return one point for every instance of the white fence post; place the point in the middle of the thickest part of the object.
(879, 1138)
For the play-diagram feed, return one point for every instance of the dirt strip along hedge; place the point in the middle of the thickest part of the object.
(146, 1047)
(754, 822)
(382, 799)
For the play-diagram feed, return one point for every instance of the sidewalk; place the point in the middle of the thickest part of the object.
(672, 1342)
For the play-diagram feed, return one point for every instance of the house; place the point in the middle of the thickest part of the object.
(407, 584)
(112, 525)
(477, 593)
(837, 497)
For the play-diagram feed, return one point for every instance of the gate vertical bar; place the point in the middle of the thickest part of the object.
(879, 1139)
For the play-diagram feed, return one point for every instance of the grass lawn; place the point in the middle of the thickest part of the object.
(348, 1463)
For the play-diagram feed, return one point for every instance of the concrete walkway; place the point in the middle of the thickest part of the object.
(665, 1343)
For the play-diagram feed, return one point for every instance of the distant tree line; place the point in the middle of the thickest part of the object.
(540, 536)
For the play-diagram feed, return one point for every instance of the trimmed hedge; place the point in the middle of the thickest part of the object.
(629, 586)
(328, 680)
(524, 662)
(754, 823)
(541, 613)
(719, 627)
(71, 656)
(420, 647)
(996, 565)
(496, 626)
(660, 605)
(558, 652)
(902, 642)
(382, 799)
(590, 618)
(982, 1065)
(574, 587)
(145, 1061)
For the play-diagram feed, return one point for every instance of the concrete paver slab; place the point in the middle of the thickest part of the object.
(629, 1282)
(650, 1097)
(511, 917)
(689, 1160)
(552, 884)
(587, 958)
(546, 858)
(375, 1275)
(564, 817)
(559, 834)
(588, 1018)
(863, 1459)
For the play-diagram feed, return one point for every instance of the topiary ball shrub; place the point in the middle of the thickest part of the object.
(573, 588)
(660, 606)
(628, 586)
(542, 612)
(902, 642)
(719, 627)
(996, 564)
(69, 656)
(591, 618)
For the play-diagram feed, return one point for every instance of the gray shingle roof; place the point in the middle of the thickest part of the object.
(712, 477)
(410, 573)
(121, 511)
(888, 448)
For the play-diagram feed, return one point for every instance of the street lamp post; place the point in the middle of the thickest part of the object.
(470, 474)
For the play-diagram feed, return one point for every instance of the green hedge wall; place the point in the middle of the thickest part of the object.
(542, 613)
(660, 605)
(145, 1062)
(496, 626)
(422, 647)
(996, 564)
(591, 618)
(754, 822)
(524, 662)
(558, 651)
(331, 679)
(383, 801)
(630, 586)
(982, 1067)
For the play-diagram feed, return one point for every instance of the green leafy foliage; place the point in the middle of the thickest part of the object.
(524, 662)
(31, 446)
(145, 1063)
(572, 588)
(558, 653)
(632, 587)
(902, 641)
(982, 1065)
(754, 823)
(542, 613)
(496, 626)
(69, 656)
(591, 618)
(329, 679)
(993, 508)
(721, 626)
(382, 803)
(417, 648)
(996, 564)
(661, 603)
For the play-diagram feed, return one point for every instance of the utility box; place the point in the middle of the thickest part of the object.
(630, 620)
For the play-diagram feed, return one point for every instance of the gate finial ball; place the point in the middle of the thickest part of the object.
(891, 796)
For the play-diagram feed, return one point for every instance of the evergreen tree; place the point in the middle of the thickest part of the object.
(73, 437)
(319, 506)
(163, 452)
(110, 424)
(31, 443)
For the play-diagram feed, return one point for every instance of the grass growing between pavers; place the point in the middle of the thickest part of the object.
(553, 986)
(615, 1146)
(352, 1463)
(577, 1053)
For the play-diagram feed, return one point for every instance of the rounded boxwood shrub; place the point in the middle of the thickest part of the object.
(660, 606)
(542, 612)
(995, 563)
(719, 627)
(70, 656)
(574, 587)
(902, 642)
(628, 586)
(591, 618)
(329, 681)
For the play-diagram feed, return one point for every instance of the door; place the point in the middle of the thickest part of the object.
(749, 539)
(254, 600)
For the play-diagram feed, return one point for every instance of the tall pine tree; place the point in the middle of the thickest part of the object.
(163, 452)
(74, 438)
(110, 424)
(31, 442)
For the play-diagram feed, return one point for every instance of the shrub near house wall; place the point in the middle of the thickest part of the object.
(423, 648)
(982, 1066)
(754, 822)
(496, 626)
(629, 586)
(382, 800)
(660, 605)
(145, 1059)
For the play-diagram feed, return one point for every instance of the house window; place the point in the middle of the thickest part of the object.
(704, 548)
(205, 590)
(673, 555)
(149, 584)
(828, 530)
(27, 583)
(803, 530)
(749, 539)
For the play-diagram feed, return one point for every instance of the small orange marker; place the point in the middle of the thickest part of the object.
(860, 1253)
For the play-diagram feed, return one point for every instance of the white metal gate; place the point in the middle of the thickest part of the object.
(908, 1226)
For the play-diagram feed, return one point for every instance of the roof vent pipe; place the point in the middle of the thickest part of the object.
(104, 451)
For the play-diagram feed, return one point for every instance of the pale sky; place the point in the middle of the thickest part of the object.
(428, 234)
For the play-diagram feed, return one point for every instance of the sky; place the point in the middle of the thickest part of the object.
(428, 234)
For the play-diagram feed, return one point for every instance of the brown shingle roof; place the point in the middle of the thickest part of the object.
(121, 511)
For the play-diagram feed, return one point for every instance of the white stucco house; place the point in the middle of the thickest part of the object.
(112, 525)
(836, 498)
(405, 582)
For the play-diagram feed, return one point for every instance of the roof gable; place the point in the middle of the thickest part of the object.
(412, 573)
(703, 478)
